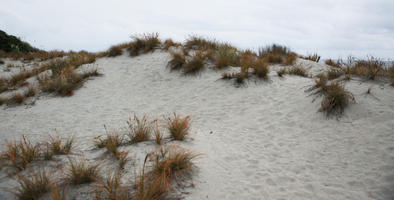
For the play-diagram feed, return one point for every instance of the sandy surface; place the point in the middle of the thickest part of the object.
(265, 140)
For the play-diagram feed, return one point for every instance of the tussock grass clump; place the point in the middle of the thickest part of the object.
(195, 65)
(369, 68)
(115, 51)
(314, 57)
(157, 133)
(200, 43)
(20, 154)
(140, 129)
(281, 72)
(334, 73)
(147, 186)
(333, 63)
(170, 43)
(178, 61)
(143, 44)
(391, 75)
(335, 99)
(261, 69)
(56, 194)
(169, 164)
(1, 62)
(62, 84)
(59, 146)
(298, 71)
(320, 86)
(290, 59)
(110, 140)
(16, 99)
(226, 56)
(178, 126)
(276, 54)
(80, 172)
(111, 188)
(32, 187)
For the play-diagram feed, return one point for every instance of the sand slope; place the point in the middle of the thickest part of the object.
(262, 141)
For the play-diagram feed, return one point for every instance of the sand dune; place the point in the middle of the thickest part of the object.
(265, 140)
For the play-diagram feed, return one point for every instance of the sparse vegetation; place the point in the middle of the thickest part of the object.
(139, 129)
(333, 63)
(334, 73)
(314, 57)
(226, 56)
(32, 187)
(391, 74)
(111, 188)
(20, 154)
(170, 43)
(178, 61)
(195, 64)
(80, 172)
(298, 71)
(261, 69)
(143, 44)
(114, 51)
(336, 99)
(277, 54)
(179, 126)
(59, 146)
(200, 43)
(281, 72)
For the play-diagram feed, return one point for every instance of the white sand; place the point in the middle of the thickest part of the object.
(268, 141)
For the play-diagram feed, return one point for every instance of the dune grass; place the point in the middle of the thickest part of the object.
(111, 187)
(333, 63)
(195, 65)
(277, 54)
(335, 99)
(20, 154)
(32, 187)
(313, 57)
(114, 51)
(143, 44)
(178, 60)
(226, 56)
(261, 69)
(334, 73)
(298, 71)
(201, 43)
(178, 126)
(140, 129)
(59, 146)
(80, 172)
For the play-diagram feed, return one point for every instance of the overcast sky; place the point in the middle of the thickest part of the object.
(332, 28)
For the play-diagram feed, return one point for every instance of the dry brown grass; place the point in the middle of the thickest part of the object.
(111, 188)
(140, 129)
(157, 133)
(195, 65)
(226, 56)
(169, 164)
(334, 73)
(314, 57)
(114, 51)
(20, 154)
(261, 69)
(298, 71)
(290, 59)
(32, 187)
(178, 61)
(277, 54)
(336, 99)
(179, 126)
(391, 74)
(370, 68)
(201, 43)
(143, 44)
(60, 146)
(281, 72)
(170, 43)
(333, 63)
(80, 172)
